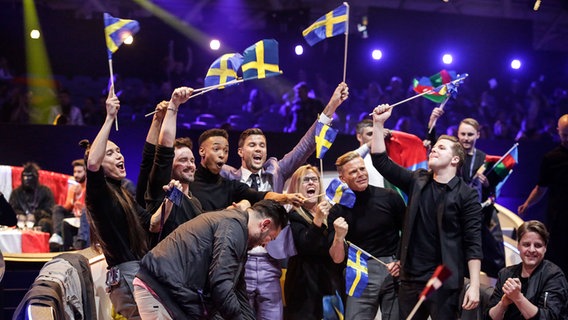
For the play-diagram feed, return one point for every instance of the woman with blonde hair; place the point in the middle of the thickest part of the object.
(311, 273)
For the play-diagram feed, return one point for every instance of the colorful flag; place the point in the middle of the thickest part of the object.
(436, 83)
(333, 307)
(498, 169)
(331, 24)
(440, 275)
(261, 60)
(339, 192)
(407, 151)
(224, 69)
(117, 30)
(325, 135)
(356, 273)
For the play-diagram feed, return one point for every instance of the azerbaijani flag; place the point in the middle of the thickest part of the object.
(436, 83)
(499, 168)
(407, 151)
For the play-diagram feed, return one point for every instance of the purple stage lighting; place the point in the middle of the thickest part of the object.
(447, 58)
(215, 44)
(516, 64)
(377, 54)
(299, 50)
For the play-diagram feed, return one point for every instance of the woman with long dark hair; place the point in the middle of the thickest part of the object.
(118, 223)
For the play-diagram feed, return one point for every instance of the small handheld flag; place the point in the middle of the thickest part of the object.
(325, 135)
(440, 275)
(261, 60)
(339, 192)
(436, 83)
(175, 195)
(331, 24)
(223, 70)
(117, 30)
(498, 169)
(333, 307)
(356, 273)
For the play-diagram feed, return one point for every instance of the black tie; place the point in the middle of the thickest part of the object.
(254, 181)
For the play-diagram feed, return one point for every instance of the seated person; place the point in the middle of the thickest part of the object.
(62, 237)
(533, 289)
(32, 199)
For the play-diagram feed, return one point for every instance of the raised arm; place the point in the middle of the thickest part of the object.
(98, 147)
(380, 115)
(168, 132)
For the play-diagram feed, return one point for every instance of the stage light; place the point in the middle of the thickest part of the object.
(128, 40)
(215, 44)
(447, 58)
(516, 64)
(536, 5)
(35, 34)
(377, 54)
(299, 50)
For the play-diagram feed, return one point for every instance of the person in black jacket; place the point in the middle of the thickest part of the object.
(197, 272)
(7, 213)
(533, 289)
(442, 225)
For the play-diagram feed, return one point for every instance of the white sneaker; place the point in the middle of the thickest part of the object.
(55, 238)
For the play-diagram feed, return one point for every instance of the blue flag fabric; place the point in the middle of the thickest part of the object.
(339, 192)
(224, 69)
(325, 135)
(333, 307)
(117, 30)
(175, 195)
(331, 24)
(356, 273)
(261, 60)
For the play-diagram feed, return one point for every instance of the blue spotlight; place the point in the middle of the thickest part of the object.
(447, 58)
(377, 54)
(299, 50)
(215, 44)
(516, 64)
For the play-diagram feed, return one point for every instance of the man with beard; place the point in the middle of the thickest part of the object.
(197, 271)
(73, 207)
(270, 174)
(33, 199)
(215, 192)
(171, 159)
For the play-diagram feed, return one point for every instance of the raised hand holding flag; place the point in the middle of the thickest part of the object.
(116, 32)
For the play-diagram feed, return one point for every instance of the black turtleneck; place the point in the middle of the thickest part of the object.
(374, 221)
(215, 192)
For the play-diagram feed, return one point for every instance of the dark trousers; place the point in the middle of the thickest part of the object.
(441, 304)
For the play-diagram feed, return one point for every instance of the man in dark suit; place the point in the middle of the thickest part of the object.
(442, 225)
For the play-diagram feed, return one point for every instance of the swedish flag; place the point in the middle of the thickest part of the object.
(356, 273)
(261, 60)
(224, 69)
(325, 135)
(333, 307)
(117, 30)
(331, 24)
(339, 192)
